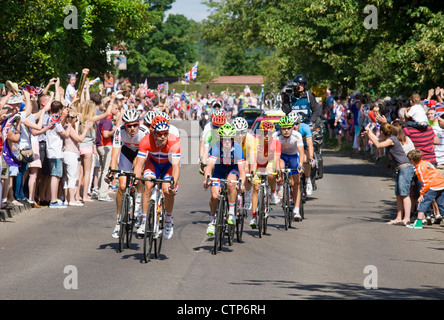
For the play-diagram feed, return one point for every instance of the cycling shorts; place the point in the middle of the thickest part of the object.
(292, 161)
(222, 172)
(158, 171)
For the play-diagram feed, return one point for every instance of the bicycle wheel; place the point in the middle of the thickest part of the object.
(260, 211)
(240, 219)
(285, 204)
(160, 216)
(266, 212)
(131, 221)
(229, 228)
(148, 238)
(123, 220)
(219, 232)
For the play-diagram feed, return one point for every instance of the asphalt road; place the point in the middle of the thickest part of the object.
(343, 250)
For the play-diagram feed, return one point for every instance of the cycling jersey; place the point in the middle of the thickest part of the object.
(305, 131)
(159, 160)
(129, 146)
(226, 164)
(289, 145)
(265, 152)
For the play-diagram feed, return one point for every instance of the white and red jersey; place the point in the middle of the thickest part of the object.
(289, 145)
(170, 153)
(122, 138)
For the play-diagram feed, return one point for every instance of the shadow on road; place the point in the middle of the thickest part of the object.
(335, 291)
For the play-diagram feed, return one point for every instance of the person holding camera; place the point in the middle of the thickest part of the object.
(296, 97)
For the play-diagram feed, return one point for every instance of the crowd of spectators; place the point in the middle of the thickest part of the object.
(396, 127)
(56, 145)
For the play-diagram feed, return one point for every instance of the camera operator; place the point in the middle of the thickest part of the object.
(295, 97)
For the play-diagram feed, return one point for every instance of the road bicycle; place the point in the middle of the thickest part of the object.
(287, 197)
(155, 219)
(127, 207)
(263, 204)
(222, 228)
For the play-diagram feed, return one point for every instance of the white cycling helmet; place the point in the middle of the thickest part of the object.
(164, 114)
(295, 116)
(149, 116)
(240, 124)
(218, 112)
(130, 115)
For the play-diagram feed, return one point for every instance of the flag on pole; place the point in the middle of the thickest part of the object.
(194, 71)
(192, 74)
(160, 86)
(145, 87)
(93, 82)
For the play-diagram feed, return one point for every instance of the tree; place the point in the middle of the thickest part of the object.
(37, 44)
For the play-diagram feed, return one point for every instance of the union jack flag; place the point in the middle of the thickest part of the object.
(192, 74)
(160, 86)
(144, 88)
(31, 89)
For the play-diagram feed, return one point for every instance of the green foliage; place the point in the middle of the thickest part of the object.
(36, 45)
(327, 41)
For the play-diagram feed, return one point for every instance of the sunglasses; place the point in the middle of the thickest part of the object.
(132, 125)
(161, 134)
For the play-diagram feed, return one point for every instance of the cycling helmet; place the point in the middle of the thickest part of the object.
(295, 116)
(150, 115)
(286, 122)
(130, 115)
(240, 124)
(160, 124)
(219, 120)
(227, 131)
(267, 126)
(218, 112)
(164, 114)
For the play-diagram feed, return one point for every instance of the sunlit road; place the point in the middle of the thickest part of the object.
(341, 248)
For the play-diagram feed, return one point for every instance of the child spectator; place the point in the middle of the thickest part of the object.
(54, 150)
(415, 114)
(432, 188)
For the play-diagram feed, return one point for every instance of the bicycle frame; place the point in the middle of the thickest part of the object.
(222, 215)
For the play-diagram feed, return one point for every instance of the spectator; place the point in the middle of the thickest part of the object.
(432, 188)
(54, 150)
(70, 92)
(404, 170)
(71, 155)
(104, 133)
(87, 146)
(415, 114)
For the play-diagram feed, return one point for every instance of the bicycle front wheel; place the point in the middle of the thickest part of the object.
(148, 238)
(123, 221)
(240, 219)
(160, 216)
(260, 212)
(219, 231)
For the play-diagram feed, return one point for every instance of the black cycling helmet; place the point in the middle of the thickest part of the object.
(300, 79)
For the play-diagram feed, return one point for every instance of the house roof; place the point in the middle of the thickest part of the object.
(239, 80)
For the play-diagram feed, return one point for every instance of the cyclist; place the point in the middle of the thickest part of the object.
(159, 158)
(296, 97)
(264, 157)
(211, 137)
(124, 151)
(292, 149)
(245, 139)
(148, 118)
(226, 161)
(307, 136)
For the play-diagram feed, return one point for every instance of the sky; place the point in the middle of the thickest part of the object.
(192, 9)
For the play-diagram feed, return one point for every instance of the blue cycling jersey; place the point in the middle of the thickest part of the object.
(305, 131)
